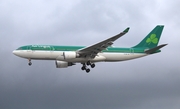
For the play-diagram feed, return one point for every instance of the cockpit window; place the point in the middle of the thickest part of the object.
(22, 48)
(19, 48)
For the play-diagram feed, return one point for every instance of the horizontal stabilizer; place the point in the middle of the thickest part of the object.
(154, 49)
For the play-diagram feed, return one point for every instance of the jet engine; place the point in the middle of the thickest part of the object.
(63, 64)
(67, 55)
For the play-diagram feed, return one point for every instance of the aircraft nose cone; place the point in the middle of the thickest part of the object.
(18, 53)
(14, 52)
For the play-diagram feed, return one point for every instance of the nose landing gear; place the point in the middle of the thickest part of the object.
(30, 63)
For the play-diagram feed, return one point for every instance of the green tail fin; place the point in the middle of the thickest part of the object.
(152, 39)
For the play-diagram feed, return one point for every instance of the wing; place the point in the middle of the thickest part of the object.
(93, 50)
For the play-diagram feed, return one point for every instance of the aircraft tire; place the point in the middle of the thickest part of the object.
(92, 65)
(88, 63)
(30, 63)
(83, 68)
(87, 70)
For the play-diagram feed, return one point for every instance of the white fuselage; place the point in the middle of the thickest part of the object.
(57, 55)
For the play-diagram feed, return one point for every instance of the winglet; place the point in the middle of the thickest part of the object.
(126, 30)
(154, 49)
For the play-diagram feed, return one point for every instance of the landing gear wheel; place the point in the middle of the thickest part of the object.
(92, 65)
(87, 70)
(83, 68)
(30, 63)
(88, 63)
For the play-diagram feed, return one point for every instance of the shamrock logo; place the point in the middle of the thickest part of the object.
(152, 39)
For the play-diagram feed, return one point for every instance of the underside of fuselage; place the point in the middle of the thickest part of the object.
(62, 61)
(58, 55)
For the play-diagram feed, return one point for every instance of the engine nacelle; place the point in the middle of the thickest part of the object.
(67, 55)
(63, 64)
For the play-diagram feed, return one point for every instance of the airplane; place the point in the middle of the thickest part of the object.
(66, 56)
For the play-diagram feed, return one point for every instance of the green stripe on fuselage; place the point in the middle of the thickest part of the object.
(75, 48)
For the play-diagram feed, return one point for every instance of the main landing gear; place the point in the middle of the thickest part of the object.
(30, 63)
(84, 67)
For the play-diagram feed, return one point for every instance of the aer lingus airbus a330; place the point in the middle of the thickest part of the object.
(66, 56)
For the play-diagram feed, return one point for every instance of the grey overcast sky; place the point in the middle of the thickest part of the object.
(151, 82)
